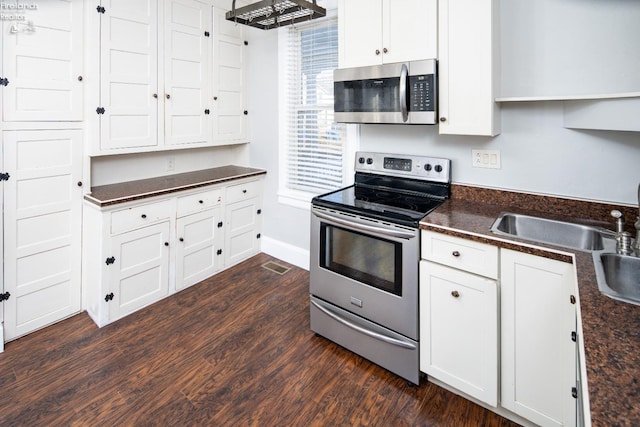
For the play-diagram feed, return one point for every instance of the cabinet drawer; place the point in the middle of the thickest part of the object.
(139, 216)
(474, 257)
(199, 201)
(247, 190)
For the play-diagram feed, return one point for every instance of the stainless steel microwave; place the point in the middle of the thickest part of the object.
(400, 93)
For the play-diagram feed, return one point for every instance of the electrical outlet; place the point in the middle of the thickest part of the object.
(485, 159)
(171, 163)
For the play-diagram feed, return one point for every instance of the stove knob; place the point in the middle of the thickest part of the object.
(438, 168)
(427, 167)
(369, 161)
(361, 160)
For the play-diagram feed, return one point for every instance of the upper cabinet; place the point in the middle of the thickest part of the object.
(469, 67)
(48, 38)
(159, 62)
(384, 31)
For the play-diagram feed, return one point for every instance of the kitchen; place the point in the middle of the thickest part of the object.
(583, 164)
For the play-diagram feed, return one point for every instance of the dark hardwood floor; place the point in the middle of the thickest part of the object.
(233, 350)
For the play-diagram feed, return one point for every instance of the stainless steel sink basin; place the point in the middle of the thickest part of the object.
(543, 230)
(618, 276)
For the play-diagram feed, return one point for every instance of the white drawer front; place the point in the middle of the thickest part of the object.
(239, 192)
(467, 255)
(139, 216)
(197, 202)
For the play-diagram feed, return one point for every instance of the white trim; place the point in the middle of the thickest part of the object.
(286, 252)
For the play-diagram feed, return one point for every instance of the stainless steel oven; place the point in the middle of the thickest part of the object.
(365, 245)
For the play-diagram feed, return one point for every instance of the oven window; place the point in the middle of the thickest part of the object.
(371, 260)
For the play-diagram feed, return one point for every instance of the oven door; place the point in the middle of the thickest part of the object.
(367, 267)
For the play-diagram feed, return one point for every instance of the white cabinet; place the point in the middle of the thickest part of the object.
(42, 207)
(42, 62)
(459, 315)
(538, 317)
(384, 31)
(243, 221)
(155, 76)
(230, 114)
(139, 252)
(468, 67)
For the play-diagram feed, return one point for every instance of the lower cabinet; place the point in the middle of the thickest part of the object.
(514, 326)
(139, 252)
(459, 330)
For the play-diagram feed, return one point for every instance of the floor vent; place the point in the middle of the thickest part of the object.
(275, 267)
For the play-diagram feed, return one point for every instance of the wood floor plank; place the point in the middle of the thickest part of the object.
(233, 350)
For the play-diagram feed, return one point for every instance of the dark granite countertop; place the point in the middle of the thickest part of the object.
(611, 328)
(106, 195)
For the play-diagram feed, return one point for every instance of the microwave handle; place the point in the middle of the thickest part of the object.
(404, 106)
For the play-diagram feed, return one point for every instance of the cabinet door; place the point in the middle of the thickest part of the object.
(229, 103)
(468, 67)
(409, 30)
(139, 274)
(129, 74)
(42, 228)
(459, 330)
(242, 230)
(538, 356)
(187, 86)
(42, 57)
(360, 32)
(197, 248)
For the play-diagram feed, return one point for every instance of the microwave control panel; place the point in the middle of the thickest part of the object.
(421, 93)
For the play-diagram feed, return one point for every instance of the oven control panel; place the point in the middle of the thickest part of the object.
(416, 167)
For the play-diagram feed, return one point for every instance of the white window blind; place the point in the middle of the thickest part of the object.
(315, 145)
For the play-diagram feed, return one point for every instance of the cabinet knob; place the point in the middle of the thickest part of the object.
(166, 243)
(244, 191)
(455, 294)
(455, 253)
(201, 201)
(443, 119)
(168, 96)
(385, 50)
(143, 216)
(79, 78)
(155, 95)
(79, 183)
(181, 239)
(377, 51)
(215, 98)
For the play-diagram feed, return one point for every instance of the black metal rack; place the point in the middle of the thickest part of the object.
(268, 14)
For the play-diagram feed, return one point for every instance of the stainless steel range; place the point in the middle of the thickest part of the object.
(365, 248)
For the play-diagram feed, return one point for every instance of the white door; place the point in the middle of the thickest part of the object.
(42, 57)
(187, 86)
(139, 273)
(409, 30)
(42, 227)
(242, 238)
(360, 32)
(197, 248)
(538, 355)
(459, 330)
(129, 74)
(229, 118)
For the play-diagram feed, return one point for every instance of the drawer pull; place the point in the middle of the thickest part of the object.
(143, 216)
(455, 294)
(455, 253)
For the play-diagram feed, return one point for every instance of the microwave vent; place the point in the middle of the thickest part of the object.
(268, 14)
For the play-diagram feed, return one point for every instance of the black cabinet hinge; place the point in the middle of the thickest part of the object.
(258, 236)
(246, 43)
(101, 9)
(108, 297)
(574, 336)
(206, 111)
(220, 224)
(4, 176)
(574, 392)
(5, 296)
(206, 34)
(110, 260)
(259, 211)
(100, 110)
(219, 252)
(4, 81)
(246, 113)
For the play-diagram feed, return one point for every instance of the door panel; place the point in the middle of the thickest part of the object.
(196, 257)
(42, 226)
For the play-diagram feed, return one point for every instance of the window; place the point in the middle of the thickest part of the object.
(316, 153)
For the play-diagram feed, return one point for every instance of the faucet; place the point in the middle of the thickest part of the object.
(624, 242)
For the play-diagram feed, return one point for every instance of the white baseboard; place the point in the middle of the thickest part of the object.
(286, 252)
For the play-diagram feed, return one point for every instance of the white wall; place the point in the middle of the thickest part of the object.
(538, 154)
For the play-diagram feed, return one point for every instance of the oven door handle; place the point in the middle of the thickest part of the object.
(366, 228)
(372, 334)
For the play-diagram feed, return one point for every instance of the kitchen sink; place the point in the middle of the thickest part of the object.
(618, 276)
(554, 232)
